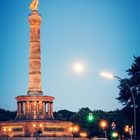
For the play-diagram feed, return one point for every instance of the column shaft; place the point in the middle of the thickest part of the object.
(17, 109)
(30, 105)
(34, 110)
(23, 107)
(27, 107)
(35, 59)
(45, 109)
(51, 108)
(37, 108)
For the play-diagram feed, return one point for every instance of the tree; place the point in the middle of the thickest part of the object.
(91, 127)
(64, 115)
(80, 118)
(134, 82)
(125, 96)
(6, 115)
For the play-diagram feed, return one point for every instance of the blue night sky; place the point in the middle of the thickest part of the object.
(100, 34)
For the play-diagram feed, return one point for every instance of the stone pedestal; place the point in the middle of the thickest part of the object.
(28, 128)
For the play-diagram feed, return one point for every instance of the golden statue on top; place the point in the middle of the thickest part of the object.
(34, 5)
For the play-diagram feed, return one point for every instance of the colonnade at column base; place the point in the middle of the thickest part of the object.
(34, 107)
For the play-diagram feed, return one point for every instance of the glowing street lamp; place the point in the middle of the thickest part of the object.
(126, 128)
(107, 75)
(129, 130)
(74, 129)
(83, 134)
(111, 76)
(38, 128)
(103, 124)
(7, 131)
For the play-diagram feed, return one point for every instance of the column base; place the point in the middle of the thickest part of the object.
(34, 93)
(30, 112)
(50, 117)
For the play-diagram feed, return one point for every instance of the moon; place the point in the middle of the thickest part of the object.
(79, 67)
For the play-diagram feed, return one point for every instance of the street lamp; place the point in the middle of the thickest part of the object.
(111, 76)
(129, 130)
(38, 128)
(7, 131)
(74, 129)
(83, 134)
(103, 125)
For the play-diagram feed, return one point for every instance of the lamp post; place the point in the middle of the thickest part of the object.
(111, 76)
(103, 125)
(83, 134)
(38, 128)
(74, 129)
(129, 130)
(7, 131)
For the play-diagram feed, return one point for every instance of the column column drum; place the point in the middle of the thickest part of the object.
(51, 106)
(19, 109)
(24, 108)
(44, 110)
(34, 59)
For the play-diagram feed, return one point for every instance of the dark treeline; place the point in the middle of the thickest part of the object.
(119, 117)
(81, 118)
(6, 115)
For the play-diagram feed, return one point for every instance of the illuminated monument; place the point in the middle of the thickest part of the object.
(31, 108)
(33, 105)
